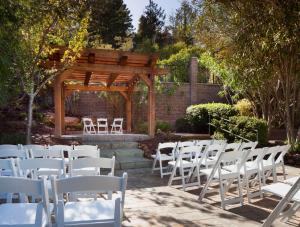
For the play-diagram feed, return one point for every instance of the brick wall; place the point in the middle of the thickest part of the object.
(168, 107)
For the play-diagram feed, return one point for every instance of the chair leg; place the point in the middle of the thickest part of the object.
(154, 164)
(274, 174)
(283, 171)
(239, 188)
(182, 177)
(161, 168)
(222, 194)
(172, 176)
(247, 187)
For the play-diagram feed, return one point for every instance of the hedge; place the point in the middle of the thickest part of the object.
(250, 128)
(198, 115)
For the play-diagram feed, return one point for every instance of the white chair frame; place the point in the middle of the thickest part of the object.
(102, 124)
(159, 158)
(88, 126)
(12, 213)
(117, 126)
(88, 183)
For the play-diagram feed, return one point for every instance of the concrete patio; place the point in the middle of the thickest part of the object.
(149, 202)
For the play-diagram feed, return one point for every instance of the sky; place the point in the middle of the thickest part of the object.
(137, 7)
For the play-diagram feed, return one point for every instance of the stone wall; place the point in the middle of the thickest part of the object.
(169, 107)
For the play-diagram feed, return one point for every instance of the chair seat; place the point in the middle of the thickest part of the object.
(280, 189)
(163, 157)
(89, 210)
(20, 214)
(184, 163)
(291, 181)
(225, 173)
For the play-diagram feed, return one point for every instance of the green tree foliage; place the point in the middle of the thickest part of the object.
(46, 24)
(151, 25)
(110, 22)
(182, 23)
(258, 42)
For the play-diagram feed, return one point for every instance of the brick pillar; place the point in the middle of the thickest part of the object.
(193, 73)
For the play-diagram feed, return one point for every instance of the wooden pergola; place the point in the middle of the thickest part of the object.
(110, 71)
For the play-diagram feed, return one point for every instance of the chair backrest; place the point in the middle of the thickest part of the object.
(248, 146)
(12, 152)
(215, 150)
(203, 142)
(191, 152)
(7, 167)
(256, 157)
(33, 165)
(36, 188)
(78, 166)
(10, 147)
(83, 152)
(236, 158)
(232, 147)
(219, 142)
(284, 149)
(57, 151)
(118, 122)
(168, 145)
(104, 184)
(275, 154)
(102, 121)
(35, 150)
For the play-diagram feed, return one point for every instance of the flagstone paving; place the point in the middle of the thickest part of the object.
(149, 202)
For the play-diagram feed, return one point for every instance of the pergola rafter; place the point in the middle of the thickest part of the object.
(109, 71)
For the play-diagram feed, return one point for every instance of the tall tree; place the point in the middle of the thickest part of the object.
(258, 41)
(47, 23)
(151, 22)
(182, 23)
(110, 22)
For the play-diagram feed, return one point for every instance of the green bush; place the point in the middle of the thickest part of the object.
(142, 128)
(12, 138)
(198, 115)
(250, 128)
(183, 125)
(295, 148)
(163, 126)
(244, 107)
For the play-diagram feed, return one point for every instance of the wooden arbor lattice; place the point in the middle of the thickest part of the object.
(107, 70)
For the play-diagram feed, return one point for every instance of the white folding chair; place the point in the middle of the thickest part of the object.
(212, 153)
(12, 152)
(84, 151)
(89, 213)
(35, 168)
(88, 126)
(82, 166)
(288, 193)
(185, 167)
(35, 150)
(25, 214)
(160, 157)
(102, 125)
(117, 126)
(225, 177)
(10, 147)
(57, 151)
(273, 158)
(8, 168)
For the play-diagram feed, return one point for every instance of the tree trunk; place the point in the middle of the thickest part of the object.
(29, 118)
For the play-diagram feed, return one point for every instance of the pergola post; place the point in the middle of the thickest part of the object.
(151, 107)
(58, 106)
(62, 114)
(129, 111)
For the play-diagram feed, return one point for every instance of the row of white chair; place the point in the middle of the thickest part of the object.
(241, 163)
(78, 213)
(102, 126)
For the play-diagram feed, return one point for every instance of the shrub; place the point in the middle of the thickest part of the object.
(12, 138)
(142, 127)
(198, 115)
(163, 126)
(251, 128)
(244, 107)
(183, 125)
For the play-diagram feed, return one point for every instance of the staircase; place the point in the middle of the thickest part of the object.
(127, 154)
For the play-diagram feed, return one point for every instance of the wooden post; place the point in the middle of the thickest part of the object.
(151, 108)
(129, 112)
(58, 106)
(62, 115)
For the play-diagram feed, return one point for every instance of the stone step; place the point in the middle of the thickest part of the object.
(114, 145)
(126, 152)
(124, 163)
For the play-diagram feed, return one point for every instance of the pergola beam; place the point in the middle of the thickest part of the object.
(123, 60)
(111, 79)
(94, 88)
(118, 69)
